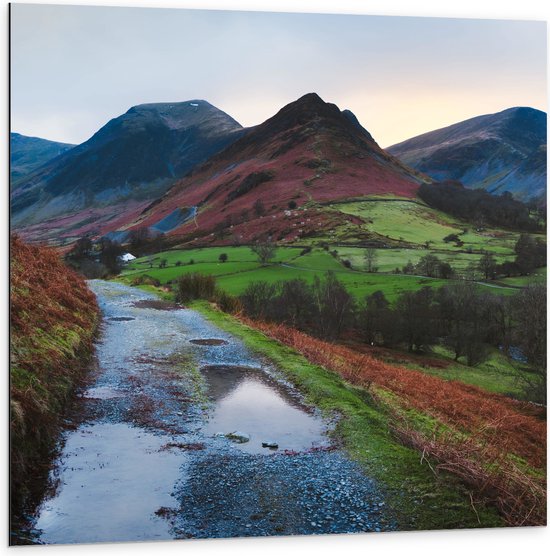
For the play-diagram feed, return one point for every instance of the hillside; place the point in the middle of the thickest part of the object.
(29, 153)
(309, 153)
(499, 152)
(53, 317)
(131, 160)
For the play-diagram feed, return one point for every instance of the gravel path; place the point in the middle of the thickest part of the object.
(140, 460)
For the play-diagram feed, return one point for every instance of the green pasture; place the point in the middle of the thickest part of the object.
(538, 277)
(241, 254)
(387, 260)
(496, 374)
(416, 223)
(242, 268)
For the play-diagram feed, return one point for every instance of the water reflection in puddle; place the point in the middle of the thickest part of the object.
(248, 401)
(209, 342)
(113, 481)
(102, 393)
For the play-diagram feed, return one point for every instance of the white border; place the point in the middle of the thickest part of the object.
(501, 542)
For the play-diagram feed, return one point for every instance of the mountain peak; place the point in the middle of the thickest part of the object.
(307, 116)
(181, 115)
(171, 106)
(309, 106)
(133, 157)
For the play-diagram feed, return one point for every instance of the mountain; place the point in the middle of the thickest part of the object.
(132, 159)
(309, 154)
(29, 153)
(499, 152)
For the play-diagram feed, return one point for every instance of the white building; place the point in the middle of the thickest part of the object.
(126, 257)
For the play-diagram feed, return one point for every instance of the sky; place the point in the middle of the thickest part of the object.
(73, 68)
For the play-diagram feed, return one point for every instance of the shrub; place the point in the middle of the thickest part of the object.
(259, 207)
(292, 205)
(145, 279)
(228, 303)
(257, 299)
(223, 257)
(195, 286)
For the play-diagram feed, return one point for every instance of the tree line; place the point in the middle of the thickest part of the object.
(461, 317)
(479, 206)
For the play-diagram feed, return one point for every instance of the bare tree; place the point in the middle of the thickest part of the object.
(428, 265)
(488, 265)
(529, 314)
(334, 306)
(265, 250)
(465, 321)
(371, 258)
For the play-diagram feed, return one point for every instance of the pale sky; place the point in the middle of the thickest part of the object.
(73, 68)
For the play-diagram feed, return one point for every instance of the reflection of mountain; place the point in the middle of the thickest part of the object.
(498, 152)
(248, 401)
(224, 380)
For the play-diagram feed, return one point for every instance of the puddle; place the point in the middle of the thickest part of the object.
(141, 445)
(248, 401)
(120, 319)
(209, 342)
(156, 304)
(114, 480)
(102, 393)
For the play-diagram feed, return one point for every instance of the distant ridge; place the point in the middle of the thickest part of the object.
(135, 156)
(499, 152)
(29, 153)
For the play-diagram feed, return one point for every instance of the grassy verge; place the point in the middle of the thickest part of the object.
(53, 319)
(419, 499)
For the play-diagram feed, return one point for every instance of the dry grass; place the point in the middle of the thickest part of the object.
(495, 444)
(53, 317)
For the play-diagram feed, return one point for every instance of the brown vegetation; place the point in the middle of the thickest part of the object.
(53, 317)
(495, 444)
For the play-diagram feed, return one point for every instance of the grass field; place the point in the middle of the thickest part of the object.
(416, 223)
(390, 259)
(400, 220)
(242, 268)
(538, 277)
